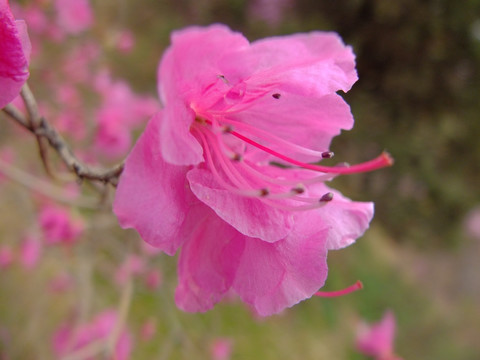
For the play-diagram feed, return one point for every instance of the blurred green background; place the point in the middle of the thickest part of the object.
(417, 97)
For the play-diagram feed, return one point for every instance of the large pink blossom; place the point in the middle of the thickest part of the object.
(14, 54)
(202, 176)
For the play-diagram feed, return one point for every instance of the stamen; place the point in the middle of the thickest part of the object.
(383, 160)
(357, 286)
(327, 154)
(276, 96)
(265, 135)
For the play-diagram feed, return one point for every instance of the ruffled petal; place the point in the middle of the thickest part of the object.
(14, 55)
(346, 220)
(272, 277)
(312, 64)
(152, 196)
(208, 261)
(250, 216)
(188, 73)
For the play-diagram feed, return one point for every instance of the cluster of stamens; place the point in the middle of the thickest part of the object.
(288, 190)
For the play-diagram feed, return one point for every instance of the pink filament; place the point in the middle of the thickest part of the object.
(383, 160)
(357, 286)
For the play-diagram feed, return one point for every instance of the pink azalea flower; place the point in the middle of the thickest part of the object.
(6, 256)
(133, 265)
(59, 226)
(69, 339)
(14, 54)
(376, 340)
(74, 16)
(472, 223)
(270, 11)
(148, 330)
(30, 252)
(221, 349)
(153, 279)
(201, 176)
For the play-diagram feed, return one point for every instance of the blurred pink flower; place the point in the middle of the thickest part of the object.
(15, 50)
(125, 41)
(30, 252)
(68, 339)
(153, 279)
(472, 223)
(59, 225)
(376, 340)
(201, 175)
(61, 282)
(74, 16)
(6, 256)
(221, 349)
(113, 138)
(148, 330)
(121, 111)
(270, 11)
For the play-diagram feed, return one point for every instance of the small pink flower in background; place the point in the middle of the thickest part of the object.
(201, 177)
(270, 11)
(6, 256)
(30, 252)
(376, 340)
(59, 225)
(472, 223)
(221, 349)
(74, 16)
(15, 50)
(68, 339)
(113, 138)
(125, 41)
(61, 283)
(148, 330)
(133, 265)
(153, 279)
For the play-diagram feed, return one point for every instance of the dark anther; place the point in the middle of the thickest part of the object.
(298, 189)
(223, 78)
(327, 197)
(276, 96)
(227, 129)
(327, 154)
(264, 192)
(237, 157)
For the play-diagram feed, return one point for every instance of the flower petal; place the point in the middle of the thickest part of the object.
(345, 219)
(152, 196)
(208, 261)
(306, 121)
(14, 55)
(187, 71)
(312, 64)
(271, 277)
(250, 216)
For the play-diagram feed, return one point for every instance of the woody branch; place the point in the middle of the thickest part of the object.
(44, 131)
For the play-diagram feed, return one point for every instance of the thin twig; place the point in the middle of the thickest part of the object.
(34, 119)
(41, 128)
